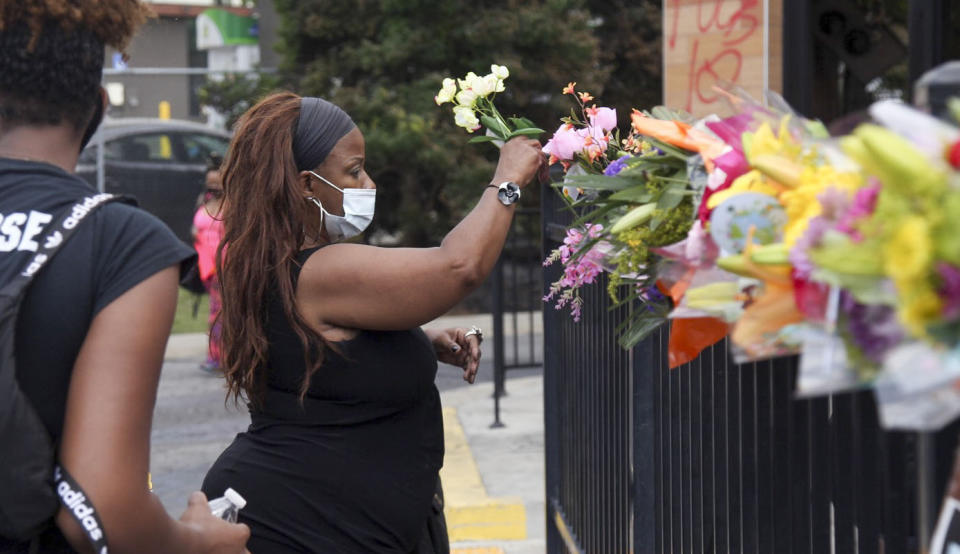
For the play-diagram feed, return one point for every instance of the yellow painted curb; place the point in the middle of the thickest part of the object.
(462, 485)
(471, 514)
(496, 521)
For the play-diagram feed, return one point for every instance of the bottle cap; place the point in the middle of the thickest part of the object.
(235, 498)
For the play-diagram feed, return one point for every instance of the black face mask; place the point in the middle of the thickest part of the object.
(93, 124)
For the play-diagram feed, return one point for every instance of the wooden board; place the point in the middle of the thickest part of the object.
(710, 41)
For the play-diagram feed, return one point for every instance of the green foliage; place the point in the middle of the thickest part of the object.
(631, 32)
(647, 205)
(192, 313)
(383, 61)
(234, 94)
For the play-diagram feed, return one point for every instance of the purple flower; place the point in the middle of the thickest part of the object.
(836, 206)
(580, 267)
(834, 202)
(576, 307)
(873, 328)
(802, 266)
(949, 289)
(650, 295)
(617, 165)
(864, 202)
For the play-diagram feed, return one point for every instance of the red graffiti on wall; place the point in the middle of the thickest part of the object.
(706, 68)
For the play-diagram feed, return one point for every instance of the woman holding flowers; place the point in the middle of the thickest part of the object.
(322, 338)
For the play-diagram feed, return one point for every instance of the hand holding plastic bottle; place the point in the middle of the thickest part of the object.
(216, 535)
(228, 506)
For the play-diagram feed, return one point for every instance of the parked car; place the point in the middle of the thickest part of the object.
(160, 162)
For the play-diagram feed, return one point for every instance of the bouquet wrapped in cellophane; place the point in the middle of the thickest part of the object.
(760, 225)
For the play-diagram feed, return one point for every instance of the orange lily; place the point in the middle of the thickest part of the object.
(689, 336)
(772, 310)
(679, 134)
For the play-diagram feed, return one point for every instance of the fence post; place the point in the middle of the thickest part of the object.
(799, 57)
(925, 21)
(644, 365)
(498, 343)
(551, 389)
(928, 498)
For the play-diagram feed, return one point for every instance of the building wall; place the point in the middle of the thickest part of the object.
(162, 42)
(168, 41)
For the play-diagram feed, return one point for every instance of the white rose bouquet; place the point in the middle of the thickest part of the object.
(473, 97)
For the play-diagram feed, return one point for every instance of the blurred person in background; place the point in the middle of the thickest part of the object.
(207, 233)
(93, 324)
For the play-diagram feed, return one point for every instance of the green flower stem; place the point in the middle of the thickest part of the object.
(486, 107)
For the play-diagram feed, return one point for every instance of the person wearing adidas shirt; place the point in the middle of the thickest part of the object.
(93, 324)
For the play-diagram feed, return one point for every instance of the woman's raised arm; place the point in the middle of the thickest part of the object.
(365, 287)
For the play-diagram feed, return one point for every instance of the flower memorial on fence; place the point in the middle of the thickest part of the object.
(761, 226)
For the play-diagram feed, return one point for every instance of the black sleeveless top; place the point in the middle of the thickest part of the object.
(352, 469)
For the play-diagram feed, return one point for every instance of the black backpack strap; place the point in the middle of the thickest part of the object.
(81, 508)
(56, 235)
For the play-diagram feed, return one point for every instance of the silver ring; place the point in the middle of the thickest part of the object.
(474, 330)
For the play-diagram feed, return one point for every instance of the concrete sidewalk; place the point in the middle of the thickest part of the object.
(507, 513)
(493, 478)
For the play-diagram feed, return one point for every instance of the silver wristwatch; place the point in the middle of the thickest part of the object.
(508, 192)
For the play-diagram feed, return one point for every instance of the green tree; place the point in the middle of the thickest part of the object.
(383, 61)
(233, 94)
(631, 41)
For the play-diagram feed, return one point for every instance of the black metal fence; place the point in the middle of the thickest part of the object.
(714, 456)
(515, 297)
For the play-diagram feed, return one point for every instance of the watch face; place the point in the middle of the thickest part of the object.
(508, 193)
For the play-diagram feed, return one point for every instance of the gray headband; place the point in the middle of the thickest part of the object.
(319, 126)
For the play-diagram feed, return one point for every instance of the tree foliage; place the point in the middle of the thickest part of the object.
(232, 94)
(383, 61)
(631, 34)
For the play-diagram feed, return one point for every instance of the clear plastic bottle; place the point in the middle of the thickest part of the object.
(227, 506)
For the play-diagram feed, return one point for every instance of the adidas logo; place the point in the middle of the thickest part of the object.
(53, 240)
(82, 208)
(82, 509)
(35, 265)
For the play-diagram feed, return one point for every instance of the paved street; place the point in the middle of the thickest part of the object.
(192, 425)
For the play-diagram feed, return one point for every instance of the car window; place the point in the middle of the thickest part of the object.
(197, 147)
(147, 147)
